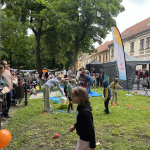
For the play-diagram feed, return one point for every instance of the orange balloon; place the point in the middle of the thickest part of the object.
(44, 70)
(5, 137)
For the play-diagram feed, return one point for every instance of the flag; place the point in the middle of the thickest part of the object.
(119, 53)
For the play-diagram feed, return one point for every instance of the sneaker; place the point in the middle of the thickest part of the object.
(8, 116)
(68, 111)
(116, 103)
(107, 112)
(112, 104)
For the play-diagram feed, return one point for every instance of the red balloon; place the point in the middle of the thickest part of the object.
(56, 136)
(5, 137)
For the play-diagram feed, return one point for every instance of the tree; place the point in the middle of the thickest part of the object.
(14, 41)
(28, 13)
(85, 20)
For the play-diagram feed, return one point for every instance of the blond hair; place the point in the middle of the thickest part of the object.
(81, 92)
(116, 80)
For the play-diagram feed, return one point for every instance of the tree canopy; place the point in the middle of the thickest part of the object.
(61, 27)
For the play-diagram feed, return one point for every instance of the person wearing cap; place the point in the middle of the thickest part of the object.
(87, 80)
(48, 86)
(71, 86)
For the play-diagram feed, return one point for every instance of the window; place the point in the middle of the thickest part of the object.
(148, 42)
(132, 47)
(112, 52)
(106, 56)
(100, 58)
(103, 57)
(141, 44)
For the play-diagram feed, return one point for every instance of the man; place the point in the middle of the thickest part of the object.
(48, 86)
(7, 77)
(101, 76)
(71, 74)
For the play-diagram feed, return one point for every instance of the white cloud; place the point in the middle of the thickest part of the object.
(135, 12)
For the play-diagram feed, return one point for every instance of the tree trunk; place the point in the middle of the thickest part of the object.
(37, 52)
(75, 57)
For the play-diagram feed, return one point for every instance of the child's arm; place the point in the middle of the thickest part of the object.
(119, 86)
(106, 94)
(72, 128)
(111, 85)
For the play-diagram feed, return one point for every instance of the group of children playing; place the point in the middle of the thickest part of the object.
(107, 93)
(84, 120)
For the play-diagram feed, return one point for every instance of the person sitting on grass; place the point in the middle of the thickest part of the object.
(70, 88)
(114, 85)
(84, 121)
(107, 95)
(48, 86)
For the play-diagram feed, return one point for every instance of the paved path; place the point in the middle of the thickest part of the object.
(139, 92)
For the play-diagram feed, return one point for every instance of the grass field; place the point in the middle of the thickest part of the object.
(127, 127)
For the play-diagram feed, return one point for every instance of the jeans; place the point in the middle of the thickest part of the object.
(90, 83)
(8, 99)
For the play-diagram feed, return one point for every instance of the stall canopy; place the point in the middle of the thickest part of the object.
(111, 70)
(96, 64)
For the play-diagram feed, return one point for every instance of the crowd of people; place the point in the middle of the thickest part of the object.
(76, 86)
(142, 76)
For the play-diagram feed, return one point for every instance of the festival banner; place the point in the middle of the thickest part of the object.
(119, 53)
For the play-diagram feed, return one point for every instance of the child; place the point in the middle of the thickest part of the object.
(66, 86)
(114, 86)
(81, 82)
(84, 122)
(107, 95)
(70, 88)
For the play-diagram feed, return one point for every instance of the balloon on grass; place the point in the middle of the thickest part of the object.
(56, 136)
(5, 137)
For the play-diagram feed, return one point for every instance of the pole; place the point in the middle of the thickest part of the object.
(26, 100)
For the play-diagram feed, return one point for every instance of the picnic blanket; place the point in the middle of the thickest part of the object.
(56, 94)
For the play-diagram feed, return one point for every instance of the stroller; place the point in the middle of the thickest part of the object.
(34, 83)
(18, 94)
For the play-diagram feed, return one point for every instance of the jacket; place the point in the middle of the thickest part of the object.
(84, 124)
(52, 83)
(70, 88)
(107, 90)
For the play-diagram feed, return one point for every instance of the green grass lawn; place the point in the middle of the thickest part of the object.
(123, 129)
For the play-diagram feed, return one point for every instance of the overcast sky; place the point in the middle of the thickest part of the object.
(135, 12)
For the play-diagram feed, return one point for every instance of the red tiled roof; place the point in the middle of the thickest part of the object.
(104, 47)
(137, 28)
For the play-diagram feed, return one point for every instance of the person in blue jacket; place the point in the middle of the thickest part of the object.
(107, 95)
(87, 80)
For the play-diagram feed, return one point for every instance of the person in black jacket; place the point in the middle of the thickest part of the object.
(84, 122)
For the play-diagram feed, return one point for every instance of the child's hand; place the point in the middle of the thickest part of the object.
(71, 129)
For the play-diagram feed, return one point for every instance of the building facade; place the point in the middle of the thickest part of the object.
(136, 41)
